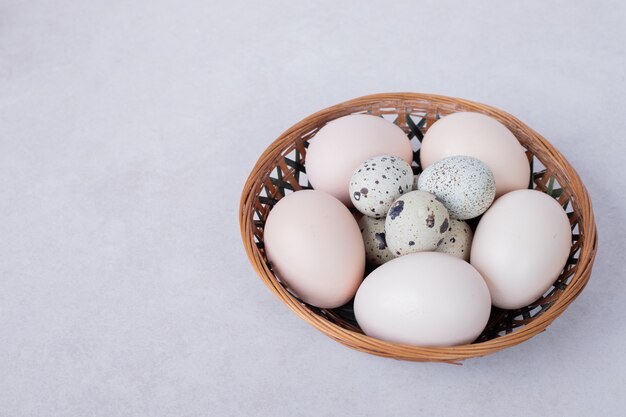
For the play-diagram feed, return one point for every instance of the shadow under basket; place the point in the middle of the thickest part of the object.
(280, 170)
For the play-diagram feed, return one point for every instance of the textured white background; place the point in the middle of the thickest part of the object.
(127, 129)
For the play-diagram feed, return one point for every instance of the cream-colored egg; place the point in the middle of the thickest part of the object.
(373, 232)
(416, 222)
(484, 138)
(423, 299)
(336, 151)
(314, 246)
(458, 241)
(520, 247)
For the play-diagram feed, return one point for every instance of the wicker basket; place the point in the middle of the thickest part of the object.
(280, 170)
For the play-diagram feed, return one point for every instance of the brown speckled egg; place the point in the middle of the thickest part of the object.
(464, 184)
(416, 222)
(458, 241)
(377, 182)
(373, 232)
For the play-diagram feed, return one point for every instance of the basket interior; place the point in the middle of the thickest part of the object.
(286, 173)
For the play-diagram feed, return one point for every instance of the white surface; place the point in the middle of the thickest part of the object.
(127, 130)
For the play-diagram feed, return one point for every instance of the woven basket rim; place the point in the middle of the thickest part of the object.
(359, 341)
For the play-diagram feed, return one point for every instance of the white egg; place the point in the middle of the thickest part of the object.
(520, 247)
(423, 299)
(458, 241)
(377, 182)
(373, 232)
(416, 222)
(464, 184)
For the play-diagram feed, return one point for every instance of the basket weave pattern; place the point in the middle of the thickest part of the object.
(280, 170)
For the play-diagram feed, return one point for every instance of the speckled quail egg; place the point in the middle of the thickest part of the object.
(458, 241)
(464, 184)
(377, 182)
(373, 232)
(416, 222)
